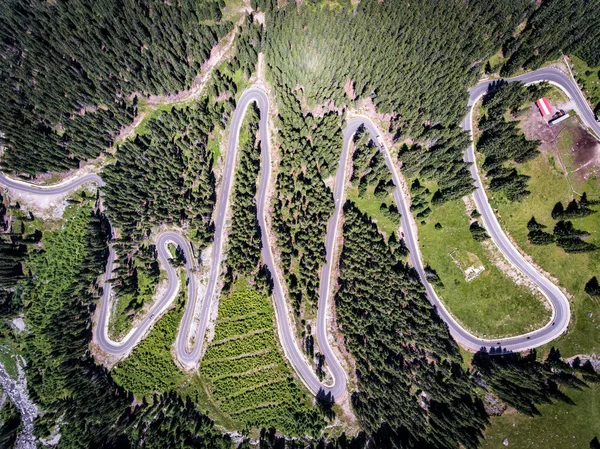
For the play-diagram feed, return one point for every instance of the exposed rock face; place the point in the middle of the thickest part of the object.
(17, 393)
(493, 406)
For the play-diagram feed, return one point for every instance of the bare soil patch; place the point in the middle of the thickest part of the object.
(585, 148)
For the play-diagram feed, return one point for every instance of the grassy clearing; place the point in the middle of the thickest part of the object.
(466, 356)
(142, 128)
(369, 205)
(548, 185)
(233, 10)
(121, 320)
(150, 368)
(496, 61)
(214, 146)
(491, 304)
(8, 359)
(561, 426)
(244, 375)
(555, 95)
(588, 78)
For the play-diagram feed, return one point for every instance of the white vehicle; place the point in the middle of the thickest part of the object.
(379, 140)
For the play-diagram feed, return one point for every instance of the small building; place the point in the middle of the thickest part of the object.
(544, 106)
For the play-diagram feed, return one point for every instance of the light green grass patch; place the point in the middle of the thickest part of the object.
(496, 61)
(150, 368)
(214, 145)
(467, 357)
(244, 374)
(129, 305)
(369, 205)
(8, 359)
(588, 78)
(560, 426)
(491, 304)
(555, 95)
(142, 128)
(233, 10)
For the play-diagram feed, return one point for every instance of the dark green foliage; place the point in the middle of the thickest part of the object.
(422, 85)
(397, 246)
(369, 169)
(390, 212)
(419, 204)
(170, 422)
(564, 234)
(245, 241)
(557, 26)
(441, 162)
(536, 234)
(407, 365)
(10, 424)
(368, 164)
(585, 201)
(70, 68)
(243, 254)
(573, 210)
(270, 440)
(501, 141)
(432, 277)
(310, 148)
(592, 287)
(163, 176)
(540, 238)
(63, 379)
(478, 232)
(524, 383)
(179, 260)
(570, 239)
(558, 211)
(418, 82)
(222, 83)
(249, 43)
(14, 246)
(509, 181)
(595, 444)
(325, 402)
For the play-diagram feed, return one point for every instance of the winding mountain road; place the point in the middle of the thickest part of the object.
(190, 354)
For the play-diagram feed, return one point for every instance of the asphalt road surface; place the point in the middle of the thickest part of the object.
(190, 353)
(136, 333)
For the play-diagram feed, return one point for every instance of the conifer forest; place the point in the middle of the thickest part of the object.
(210, 214)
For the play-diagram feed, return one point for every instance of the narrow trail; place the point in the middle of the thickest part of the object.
(190, 354)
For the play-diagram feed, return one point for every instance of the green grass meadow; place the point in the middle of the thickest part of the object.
(490, 305)
(549, 184)
(369, 205)
(560, 426)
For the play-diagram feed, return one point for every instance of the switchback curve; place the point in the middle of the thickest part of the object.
(561, 311)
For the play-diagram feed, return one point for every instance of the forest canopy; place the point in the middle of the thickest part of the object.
(70, 71)
(74, 74)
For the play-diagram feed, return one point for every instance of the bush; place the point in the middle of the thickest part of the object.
(478, 232)
(592, 287)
